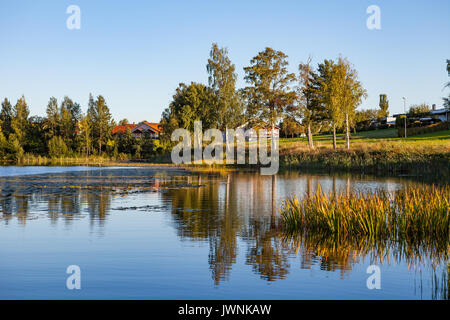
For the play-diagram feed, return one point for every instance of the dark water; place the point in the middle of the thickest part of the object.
(140, 233)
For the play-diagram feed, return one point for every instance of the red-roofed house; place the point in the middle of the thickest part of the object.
(123, 128)
(140, 129)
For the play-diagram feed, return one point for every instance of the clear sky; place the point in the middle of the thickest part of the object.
(135, 53)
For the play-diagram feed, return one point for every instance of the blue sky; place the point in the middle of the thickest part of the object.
(135, 53)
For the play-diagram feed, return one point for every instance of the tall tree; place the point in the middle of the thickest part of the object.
(20, 122)
(90, 112)
(327, 89)
(66, 126)
(310, 108)
(85, 134)
(348, 92)
(6, 115)
(70, 116)
(384, 106)
(53, 119)
(269, 91)
(102, 122)
(222, 80)
(126, 141)
(36, 141)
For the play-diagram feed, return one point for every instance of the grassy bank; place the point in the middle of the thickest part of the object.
(377, 159)
(416, 213)
(80, 160)
(378, 152)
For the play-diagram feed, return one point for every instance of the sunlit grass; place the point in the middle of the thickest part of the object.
(412, 213)
(373, 139)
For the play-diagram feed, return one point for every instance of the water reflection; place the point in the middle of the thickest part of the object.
(224, 211)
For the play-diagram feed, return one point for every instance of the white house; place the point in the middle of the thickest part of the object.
(253, 135)
(441, 114)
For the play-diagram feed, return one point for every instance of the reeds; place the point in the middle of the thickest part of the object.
(372, 158)
(414, 213)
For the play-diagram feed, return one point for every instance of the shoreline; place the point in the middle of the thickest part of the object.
(374, 162)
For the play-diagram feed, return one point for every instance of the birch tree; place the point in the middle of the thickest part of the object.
(346, 93)
(222, 81)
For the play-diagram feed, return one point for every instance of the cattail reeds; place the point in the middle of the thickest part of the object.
(415, 213)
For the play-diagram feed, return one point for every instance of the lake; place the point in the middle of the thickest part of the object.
(162, 233)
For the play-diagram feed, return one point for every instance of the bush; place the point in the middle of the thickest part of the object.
(422, 130)
(15, 150)
(57, 147)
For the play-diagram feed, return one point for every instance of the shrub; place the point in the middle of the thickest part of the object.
(422, 130)
(57, 147)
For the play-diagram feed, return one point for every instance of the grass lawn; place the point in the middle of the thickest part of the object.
(373, 138)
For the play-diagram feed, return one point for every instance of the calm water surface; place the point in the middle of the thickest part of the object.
(143, 233)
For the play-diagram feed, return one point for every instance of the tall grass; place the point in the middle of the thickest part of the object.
(414, 213)
(372, 159)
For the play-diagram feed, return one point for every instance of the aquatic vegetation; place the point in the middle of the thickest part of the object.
(414, 213)
(374, 158)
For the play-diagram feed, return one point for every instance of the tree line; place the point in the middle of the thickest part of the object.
(66, 131)
(317, 99)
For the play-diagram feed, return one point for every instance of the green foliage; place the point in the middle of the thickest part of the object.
(102, 122)
(123, 122)
(70, 115)
(52, 123)
(19, 121)
(384, 106)
(419, 110)
(435, 127)
(3, 145)
(290, 126)
(84, 136)
(337, 92)
(6, 115)
(57, 147)
(193, 102)
(36, 138)
(222, 81)
(148, 146)
(310, 109)
(15, 150)
(67, 133)
(346, 93)
(364, 118)
(126, 142)
(400, 121)
(269, 92)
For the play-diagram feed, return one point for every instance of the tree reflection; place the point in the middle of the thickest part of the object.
(266, 253)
